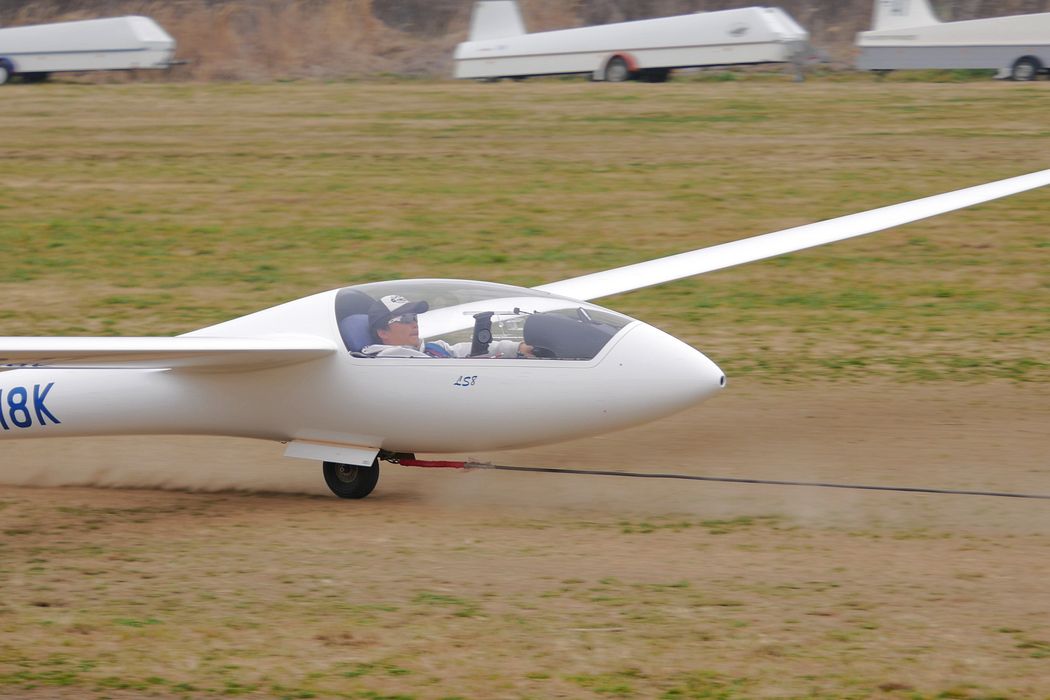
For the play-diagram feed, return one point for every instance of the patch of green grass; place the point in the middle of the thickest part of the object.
(613, 684)
(705, 685)
(462, 607)
(946, 75)
(713, 527)
(136, 622)
(1036, 648)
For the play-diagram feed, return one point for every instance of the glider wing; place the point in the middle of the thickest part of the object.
(227, 354)
(646, 274)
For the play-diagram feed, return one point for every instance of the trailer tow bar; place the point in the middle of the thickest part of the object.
(467, 466)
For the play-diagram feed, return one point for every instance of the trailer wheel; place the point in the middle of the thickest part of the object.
(617, 70)
(6, 70)
(1025, 68)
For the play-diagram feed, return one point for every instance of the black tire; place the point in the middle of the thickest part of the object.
(6, 70)
(617, 70)
(1026, 68)
(350, 481)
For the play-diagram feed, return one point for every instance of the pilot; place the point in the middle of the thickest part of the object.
(393, 323)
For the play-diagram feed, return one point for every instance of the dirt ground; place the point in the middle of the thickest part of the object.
(215, 566)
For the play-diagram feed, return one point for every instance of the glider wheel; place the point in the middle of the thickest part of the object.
(351, 481)
(6, 70)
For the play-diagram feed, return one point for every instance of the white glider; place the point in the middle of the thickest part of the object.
(299, 373)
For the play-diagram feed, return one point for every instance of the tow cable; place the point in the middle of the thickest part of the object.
(432, 464)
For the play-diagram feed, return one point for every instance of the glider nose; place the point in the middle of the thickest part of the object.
(702, 376)
(670, 374)
(712, 373)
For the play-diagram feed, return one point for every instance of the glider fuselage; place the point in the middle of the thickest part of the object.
(398, 404)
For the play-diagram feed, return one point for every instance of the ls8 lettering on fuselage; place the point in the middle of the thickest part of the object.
(19, 405)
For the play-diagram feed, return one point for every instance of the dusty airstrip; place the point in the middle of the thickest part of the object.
(172, 581)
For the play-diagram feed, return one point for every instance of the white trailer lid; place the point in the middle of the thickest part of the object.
(746, 25)
(110, 34)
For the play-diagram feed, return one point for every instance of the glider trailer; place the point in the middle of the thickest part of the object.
(907, 35)
(114, 43)
(648, 50)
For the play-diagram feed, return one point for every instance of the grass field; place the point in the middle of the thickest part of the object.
(155, 209)
(915, 356)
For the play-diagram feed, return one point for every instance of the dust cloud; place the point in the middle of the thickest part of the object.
(986, 437)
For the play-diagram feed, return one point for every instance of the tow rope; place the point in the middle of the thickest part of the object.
(430, 464)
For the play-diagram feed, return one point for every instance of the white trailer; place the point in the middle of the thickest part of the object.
(114, 43)
(499, 46)
(907, 34)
